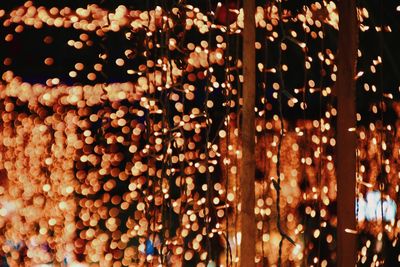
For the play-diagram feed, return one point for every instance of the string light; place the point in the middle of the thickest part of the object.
(145, 171)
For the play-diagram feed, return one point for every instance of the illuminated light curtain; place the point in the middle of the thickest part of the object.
(129, 154)
(378, 116)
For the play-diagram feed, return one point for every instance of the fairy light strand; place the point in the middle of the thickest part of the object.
(134, 151)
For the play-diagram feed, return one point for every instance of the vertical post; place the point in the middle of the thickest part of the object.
(346, 139)
(247, 175)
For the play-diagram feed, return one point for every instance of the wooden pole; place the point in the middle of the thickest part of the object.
(247, 176)
(346, 136)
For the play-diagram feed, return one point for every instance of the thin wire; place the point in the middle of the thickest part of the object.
(357, 184)
(264, 180)
(166, 125)
(382, 181)
(277, 182)
(305, 132)
(168, 71)
(148, 133)
(238, 125)
(227, 119)
(209, 191)
(320, 147)
(183, 184)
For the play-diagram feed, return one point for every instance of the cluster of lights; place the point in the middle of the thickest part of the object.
(146, 172)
